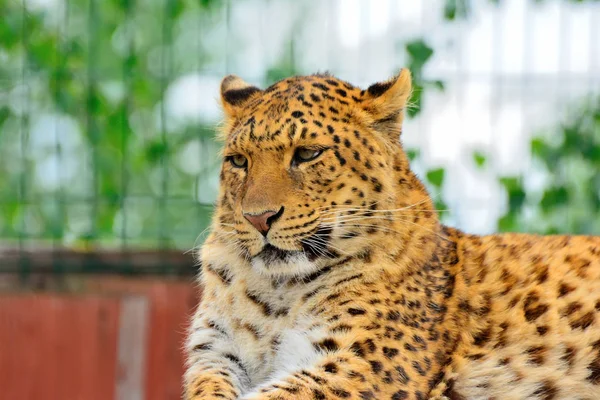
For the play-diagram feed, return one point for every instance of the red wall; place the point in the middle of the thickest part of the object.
(65, 346)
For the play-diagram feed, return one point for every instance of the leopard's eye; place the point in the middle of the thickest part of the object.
(303, 154)
(238, 161)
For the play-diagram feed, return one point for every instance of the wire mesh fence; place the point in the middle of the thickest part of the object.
(108, 109)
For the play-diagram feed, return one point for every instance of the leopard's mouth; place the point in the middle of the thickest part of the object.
(270, 254)
(314, 246)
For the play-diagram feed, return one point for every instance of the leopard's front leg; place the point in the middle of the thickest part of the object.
(214, 367)
(345, 375)
(364, 361)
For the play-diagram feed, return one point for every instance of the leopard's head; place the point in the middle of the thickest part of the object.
(313, 170)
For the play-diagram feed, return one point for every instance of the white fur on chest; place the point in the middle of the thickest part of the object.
(294, 353)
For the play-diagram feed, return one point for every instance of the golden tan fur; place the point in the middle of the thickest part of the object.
(357, 291)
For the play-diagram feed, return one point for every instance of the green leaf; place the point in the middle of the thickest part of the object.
(413, 153)
(419, 53)
(516, 194)
(156, 151)
(539, 148)
(210, 3)
(440, 85)
(450, 10)
(441, 207)
(549, 155)
(508, 223)
(456, 9)
(4, 114)
(554, 197)
(436, 177)
(479, 159)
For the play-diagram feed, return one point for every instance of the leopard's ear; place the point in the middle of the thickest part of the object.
(385, 102)
(235, 93)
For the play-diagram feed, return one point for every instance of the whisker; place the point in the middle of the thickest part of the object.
(316, 242)
(365, 215)
(350, 218)
(328, 244)
(315, 247)
(346, 205)
(379, 227)
(385, 228)
(350, 206)
(344, 230)
(367, 210)
(195, 247)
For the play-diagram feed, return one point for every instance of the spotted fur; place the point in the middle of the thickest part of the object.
(352, 288)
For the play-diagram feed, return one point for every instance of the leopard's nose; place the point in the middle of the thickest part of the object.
(263, 220)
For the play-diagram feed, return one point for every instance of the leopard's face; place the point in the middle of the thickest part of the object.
(304, 162)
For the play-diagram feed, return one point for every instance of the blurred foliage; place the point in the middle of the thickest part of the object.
(90, 155)
(567, 161)
(87, 85)
(569, 203)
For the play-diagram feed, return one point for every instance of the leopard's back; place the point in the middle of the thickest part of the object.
(533, 325)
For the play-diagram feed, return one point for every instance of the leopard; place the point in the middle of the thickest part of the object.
(328, 274)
